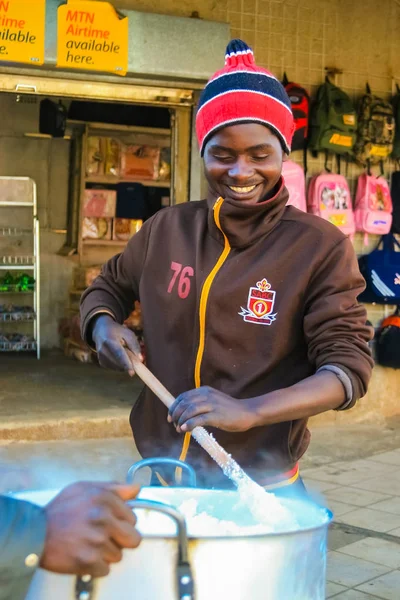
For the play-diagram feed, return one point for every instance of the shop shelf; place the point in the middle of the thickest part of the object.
(16, 267)
(14, 232)
(25, 268)
(17, 262)
(16, 316)
(105, 242)
(122, 128)
(111, 180)
(17, 203)
(14, 289)
(17, 346)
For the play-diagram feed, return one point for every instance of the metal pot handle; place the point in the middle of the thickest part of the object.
(185, 583)
(152, 462)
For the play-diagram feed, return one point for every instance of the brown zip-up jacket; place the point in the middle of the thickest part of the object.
(246, 299)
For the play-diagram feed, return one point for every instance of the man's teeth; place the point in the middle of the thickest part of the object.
(242, 190)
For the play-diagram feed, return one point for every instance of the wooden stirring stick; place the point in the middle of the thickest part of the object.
(252, 494)
(150, 380)
(202, 437)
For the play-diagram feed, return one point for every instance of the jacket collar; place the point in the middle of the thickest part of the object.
(242, 223)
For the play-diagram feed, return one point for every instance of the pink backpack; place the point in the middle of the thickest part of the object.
(295, 182)
(373, 208)
(329, 198)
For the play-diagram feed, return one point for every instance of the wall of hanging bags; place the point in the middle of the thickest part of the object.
(348, 151)
(356, 42)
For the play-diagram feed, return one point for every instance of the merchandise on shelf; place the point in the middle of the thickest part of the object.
(84, 276)
(17, 283)
(13, 312)
(142, 162)
(99, 203)
(112, 156)
(165, 164)
(95, 228)
(131, 201)
(16, 342)
(14, 231)
(20, 267)
(26, 259)
(124, 229)
(95, 156)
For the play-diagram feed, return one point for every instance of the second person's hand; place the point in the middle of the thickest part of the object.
(88, 525)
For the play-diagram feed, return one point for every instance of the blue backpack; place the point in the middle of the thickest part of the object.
(381, 271)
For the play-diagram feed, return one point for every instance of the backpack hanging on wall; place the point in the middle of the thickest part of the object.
(300, 101)
(373, 206)
(375, 133)
(333, 122)
(295, 182)
(329, 197)
(395, 190)
(396, 113)
(381, 271)
(388, 341)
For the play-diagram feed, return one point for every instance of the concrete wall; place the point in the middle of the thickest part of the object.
(46, 162)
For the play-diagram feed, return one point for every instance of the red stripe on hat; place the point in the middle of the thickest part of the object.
(247, 106)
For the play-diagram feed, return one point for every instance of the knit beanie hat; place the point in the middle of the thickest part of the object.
(242, 92)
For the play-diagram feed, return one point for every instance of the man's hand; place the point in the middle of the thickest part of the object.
(207, 406)
(88, 525)
(111, 339)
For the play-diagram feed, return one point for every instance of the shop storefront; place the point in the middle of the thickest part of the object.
(104, 152)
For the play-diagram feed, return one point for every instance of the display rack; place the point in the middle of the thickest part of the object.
(89, 249)
(22, 266)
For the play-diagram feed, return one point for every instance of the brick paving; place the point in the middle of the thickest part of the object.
(364, 542)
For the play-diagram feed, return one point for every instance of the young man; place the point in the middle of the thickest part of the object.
(247, 303)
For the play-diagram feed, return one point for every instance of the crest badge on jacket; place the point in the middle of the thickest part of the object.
(260, 304)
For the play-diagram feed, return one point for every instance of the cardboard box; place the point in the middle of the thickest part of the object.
(99, 203)
(124, 229)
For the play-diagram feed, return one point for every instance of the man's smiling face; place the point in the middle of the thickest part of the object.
(244, 162)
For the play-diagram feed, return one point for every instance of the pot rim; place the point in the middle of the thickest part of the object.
(24, 495)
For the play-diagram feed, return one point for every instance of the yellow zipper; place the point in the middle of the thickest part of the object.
(202, 321)
(206, 291)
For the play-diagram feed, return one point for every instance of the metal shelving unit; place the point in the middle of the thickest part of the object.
(17, 316)
(19, 193)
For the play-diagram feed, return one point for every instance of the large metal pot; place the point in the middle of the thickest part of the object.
(173, 565)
